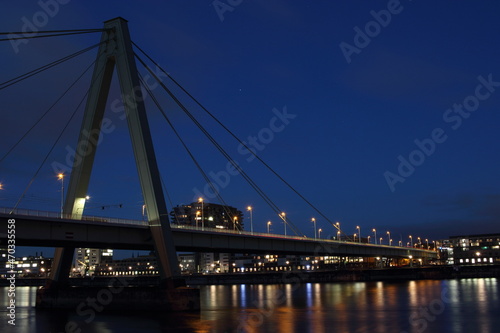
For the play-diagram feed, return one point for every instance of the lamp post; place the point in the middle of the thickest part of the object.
(368, 239)
(319, 233)
(249, 208)
(389, 237)
(314, 223)
(354, 237)
(234, 223)
(61, 178)
(411, 240)
(400, 243)
(202, 215)
(375, 235)
(197, 217)
(427, 243)
(359, 233)
(283, 217)
(390, 241)
(269, 227)
(381, 238)
(419, 242)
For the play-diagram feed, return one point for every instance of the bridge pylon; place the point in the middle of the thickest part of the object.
(115, 52)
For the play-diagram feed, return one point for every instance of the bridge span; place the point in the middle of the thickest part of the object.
(100, 232)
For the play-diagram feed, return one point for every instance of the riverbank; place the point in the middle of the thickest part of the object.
(386, 274)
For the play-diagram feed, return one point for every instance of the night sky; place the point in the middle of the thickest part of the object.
(384, 114)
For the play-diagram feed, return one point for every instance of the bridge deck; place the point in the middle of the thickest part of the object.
(51, 231)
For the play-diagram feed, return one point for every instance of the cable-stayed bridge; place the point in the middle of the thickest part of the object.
(72, 228)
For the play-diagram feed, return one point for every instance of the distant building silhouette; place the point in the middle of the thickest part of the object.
(208, 215)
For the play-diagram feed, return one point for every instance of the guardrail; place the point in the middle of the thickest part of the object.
(41, 213)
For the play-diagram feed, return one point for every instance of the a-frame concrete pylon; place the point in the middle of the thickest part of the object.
(116, 51)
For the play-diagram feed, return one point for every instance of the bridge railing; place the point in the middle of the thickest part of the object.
(39, 213)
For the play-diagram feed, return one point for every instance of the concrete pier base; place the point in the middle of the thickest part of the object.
(112, 298)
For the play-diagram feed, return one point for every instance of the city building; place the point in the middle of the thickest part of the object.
(145, 265)
(188, 262)
(86, 260)
(476, 249)
(207, 215)
(31, 266)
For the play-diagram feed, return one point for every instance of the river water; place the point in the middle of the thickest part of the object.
(467, 305)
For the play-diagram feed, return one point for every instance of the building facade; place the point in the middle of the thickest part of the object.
(87, 259)
(476, 249)
(31, 266)
(207, 215)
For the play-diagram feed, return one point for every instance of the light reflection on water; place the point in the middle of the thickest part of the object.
(467, 305)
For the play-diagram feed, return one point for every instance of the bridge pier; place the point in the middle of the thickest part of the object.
(116, 51)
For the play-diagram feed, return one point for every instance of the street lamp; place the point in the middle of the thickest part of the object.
(427, 243)
(200, 199)
(368, 239)
(411, 240)
(359, 233)
(375, 233)
(354, 237)
(61, 178)
(314, 222)
(249, 208)
(319, 232)
(389, 237)
(269, 227)
(419, 242)
(390, 241)
(283, 217)
(197, 217)
(235, 221)
(381, 238)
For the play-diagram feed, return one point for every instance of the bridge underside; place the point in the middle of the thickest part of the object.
(39, 231)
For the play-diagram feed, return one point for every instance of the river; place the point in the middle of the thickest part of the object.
(466, 305)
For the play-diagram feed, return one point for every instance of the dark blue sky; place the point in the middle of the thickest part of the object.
(357, 102)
